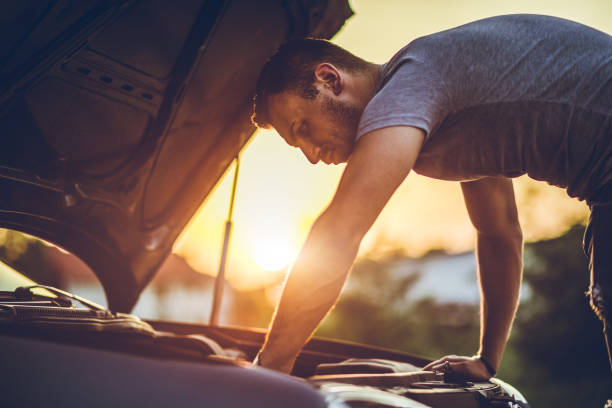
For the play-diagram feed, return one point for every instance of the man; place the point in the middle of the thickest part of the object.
(478, 104)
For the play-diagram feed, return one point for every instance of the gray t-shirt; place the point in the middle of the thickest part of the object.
(505, 96)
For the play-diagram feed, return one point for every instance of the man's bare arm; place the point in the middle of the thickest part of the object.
(499, 247)
(380, 162)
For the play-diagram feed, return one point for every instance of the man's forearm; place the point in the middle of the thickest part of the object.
(311, 289)
(500, 271)
(380, 161)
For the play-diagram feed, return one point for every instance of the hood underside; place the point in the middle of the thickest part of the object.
(119, 117)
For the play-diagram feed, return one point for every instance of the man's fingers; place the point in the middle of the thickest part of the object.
(433, 364)
(444, 365)
(440, 367)
(448, 367)
(468, 368)
(430, 366)
(442, 360)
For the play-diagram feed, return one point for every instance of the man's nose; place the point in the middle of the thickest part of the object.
(311, 153)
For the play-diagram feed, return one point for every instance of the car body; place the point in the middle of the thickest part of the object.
(118, 117)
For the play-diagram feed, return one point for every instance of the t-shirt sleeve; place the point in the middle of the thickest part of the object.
(413, 96)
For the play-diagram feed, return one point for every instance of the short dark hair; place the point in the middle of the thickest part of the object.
(291, 68)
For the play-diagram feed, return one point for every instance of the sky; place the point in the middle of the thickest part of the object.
(280, 194)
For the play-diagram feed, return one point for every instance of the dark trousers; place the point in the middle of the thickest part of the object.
(598, 248)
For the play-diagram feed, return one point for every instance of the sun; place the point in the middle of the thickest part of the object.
(272, 254)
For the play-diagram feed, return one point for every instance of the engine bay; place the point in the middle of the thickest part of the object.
(347, 374)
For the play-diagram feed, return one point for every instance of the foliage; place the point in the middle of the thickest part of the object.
(250, 309)
(374, 311)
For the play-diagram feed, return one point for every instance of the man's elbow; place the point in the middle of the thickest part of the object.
(509, 232)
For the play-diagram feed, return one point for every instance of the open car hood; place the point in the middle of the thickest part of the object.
(118, 117)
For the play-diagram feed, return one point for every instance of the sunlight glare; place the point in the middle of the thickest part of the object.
(272, 254)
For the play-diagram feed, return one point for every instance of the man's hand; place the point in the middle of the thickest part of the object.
(467, 368)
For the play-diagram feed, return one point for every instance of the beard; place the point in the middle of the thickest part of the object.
(345, 115)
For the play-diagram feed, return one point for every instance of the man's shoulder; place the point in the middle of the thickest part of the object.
(509, 28)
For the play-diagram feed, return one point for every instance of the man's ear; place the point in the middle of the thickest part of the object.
(329, 76)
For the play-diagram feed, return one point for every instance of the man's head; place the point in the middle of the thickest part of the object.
(312, 92)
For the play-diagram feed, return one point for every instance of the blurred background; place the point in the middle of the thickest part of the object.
(413, 286)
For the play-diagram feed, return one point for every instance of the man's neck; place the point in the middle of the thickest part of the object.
(367, 83)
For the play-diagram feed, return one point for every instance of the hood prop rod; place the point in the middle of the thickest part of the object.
(220, 279)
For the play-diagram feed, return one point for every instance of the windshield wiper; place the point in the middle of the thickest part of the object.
(26, 291)
(62, 315)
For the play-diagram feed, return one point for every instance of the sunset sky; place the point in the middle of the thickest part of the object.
(280, 193)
